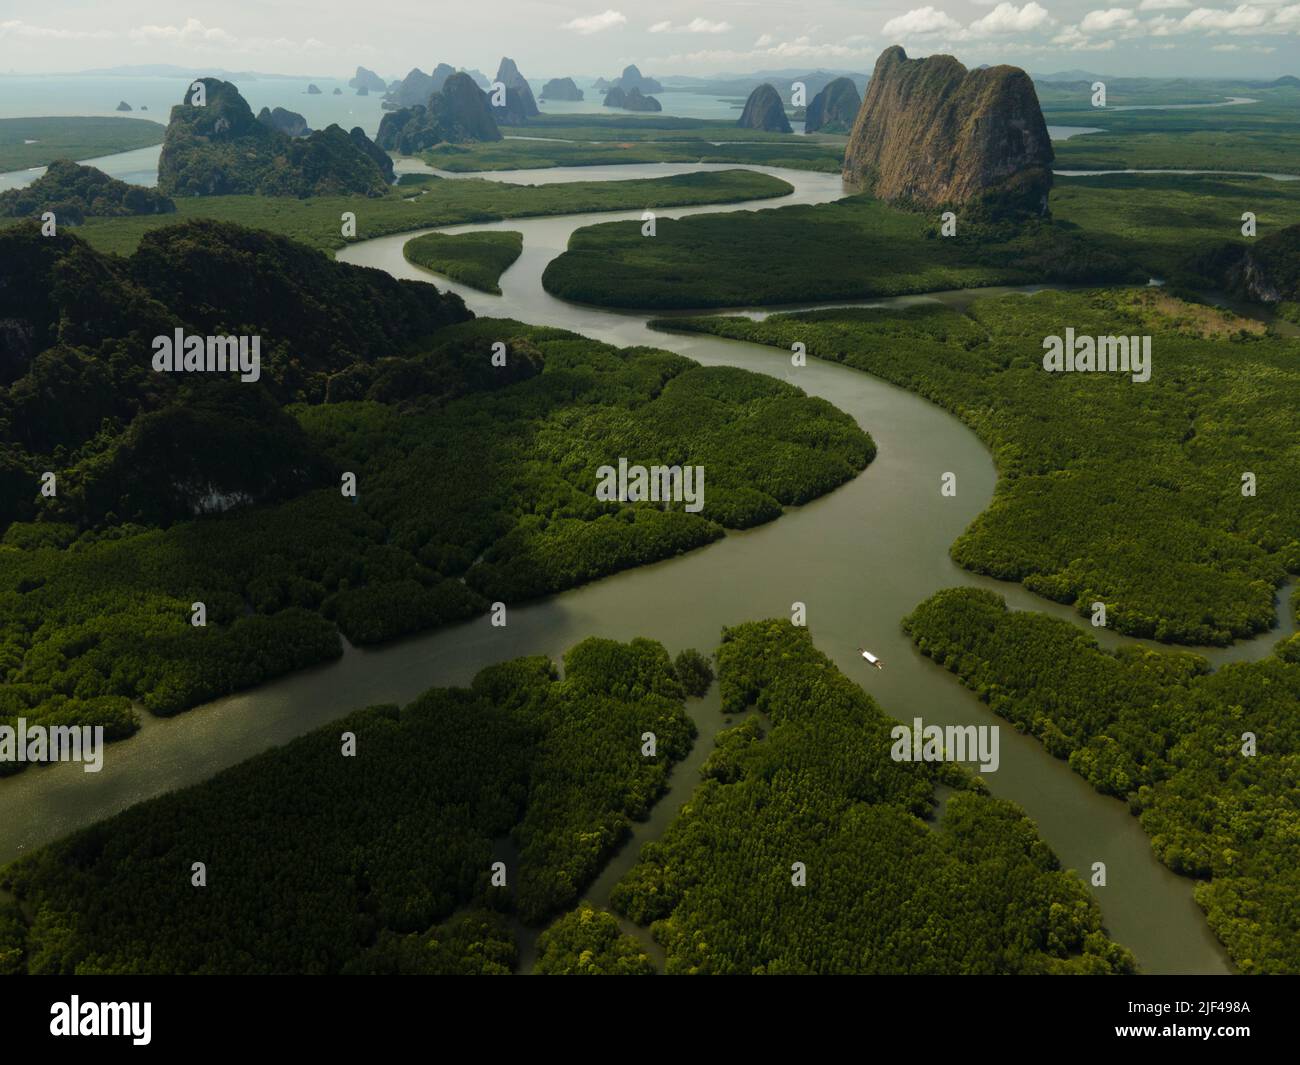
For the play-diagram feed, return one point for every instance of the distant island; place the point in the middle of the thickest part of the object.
(367, 80)
(123, 106)
(561, 89)
(460, 112)
(631, 100)
(764, 111)
(834, 109)
(520, 105)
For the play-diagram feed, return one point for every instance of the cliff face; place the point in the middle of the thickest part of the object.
(368, 80)
(834, 109)
(764, 110)
(290, 123)
(931, 132)
(520, 105)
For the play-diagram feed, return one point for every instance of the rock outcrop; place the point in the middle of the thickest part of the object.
(415, 88)
(834, 109)
(632, 78)
(1266, 270)
(520, 105)
(289, 123)
(764, 110)
(459, 113)
(313, 90)
(932, 133)
(561, 89)
(123, 106)
(221, 149)
(368, 80)
(631, 100)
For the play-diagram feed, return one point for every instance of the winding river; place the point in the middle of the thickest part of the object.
(860, 558)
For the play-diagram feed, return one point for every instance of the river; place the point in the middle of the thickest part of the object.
(860, 558)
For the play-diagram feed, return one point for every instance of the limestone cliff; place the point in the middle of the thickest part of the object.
(459, 113)
(764, 110)
(931, 133)
(834, 109)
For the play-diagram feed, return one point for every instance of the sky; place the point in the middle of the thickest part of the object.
(1156, 38)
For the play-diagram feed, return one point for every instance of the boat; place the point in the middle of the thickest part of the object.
(872, 659)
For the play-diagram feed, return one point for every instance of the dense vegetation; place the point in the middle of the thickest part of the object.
(29, 142)
(811, 781)
(848, 249)
(474, 259)
(73, 191)
(316, 222)
(1162, 731)
(1117, 228)
(318, 863)
(1166, 222)
(220, 148)
(586, 942)
(1132, 496)
(361, 374)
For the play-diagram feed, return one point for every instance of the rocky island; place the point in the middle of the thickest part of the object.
(834, 109)
(520, 105)
(764, 110)
(631, 100)
(561, 89)
(459, 113)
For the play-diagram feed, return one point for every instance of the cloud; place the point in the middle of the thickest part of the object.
(18, 28)
(1007, 18)
(696, 25)
(1114, 18)
(1162, 5)
(1288, 16)
(1244, 16)
(589, 24)
(920, 22)
(192, 33)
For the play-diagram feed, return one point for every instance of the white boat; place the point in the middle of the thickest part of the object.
(872, 659)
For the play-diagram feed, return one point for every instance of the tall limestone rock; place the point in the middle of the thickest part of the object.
(764, 110)
(834, 109)
(459, 113)
(520, 105)
(931, 133)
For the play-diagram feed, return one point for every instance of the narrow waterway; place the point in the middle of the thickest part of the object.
(860, 558)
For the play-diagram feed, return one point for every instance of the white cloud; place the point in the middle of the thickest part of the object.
(696, 25)
(1007, 18)
(1113, 18)
(920, 22)
(764, 41)
(1162, 5)
(18, 28)
(192, 33)
(1244, 16)
(589, 24)
(1288, 16)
